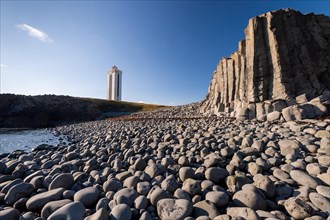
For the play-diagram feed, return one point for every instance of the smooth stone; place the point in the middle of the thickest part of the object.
(314, 168)
(216, 174)
(10, 214)
(185, 173)
(112, 185)
(191, 186)
(324, 191)
(170, 184)
(36, 202)
(154, 170)
(159, 194)
(297, 208)
(101, 214)
(266, 186)
(27, 216)
(181, 194)
(220, 199)
(245, 213)
(52, 206)
(264, 214)
(140, 164)
(131, 194)
(304, 179)
(18, 191)
(253, 168)
(123, 175)
(325, 178)
(205, 208)
(71, 211)
(273, 116)
(248, 198)
(64, 180)
(102, 203)
(145, 216)
(123, 200)
(121, 212)
(8, 184)
(207, 184)
(177, 209)
(324, 160)
(131, 182)
(37, 181)
(320, 201)
(322, 134)
(143, 188)
(88, 196)
(141, 202)
(288, 147)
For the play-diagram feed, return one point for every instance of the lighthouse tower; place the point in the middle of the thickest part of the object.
(114, 84)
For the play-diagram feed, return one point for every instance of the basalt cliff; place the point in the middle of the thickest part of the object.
(281, 70)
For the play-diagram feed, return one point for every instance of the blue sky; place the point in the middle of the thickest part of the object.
(167, 50)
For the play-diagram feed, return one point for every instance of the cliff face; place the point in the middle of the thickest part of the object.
(283, 63)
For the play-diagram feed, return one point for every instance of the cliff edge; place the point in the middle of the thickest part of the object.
(280, 71)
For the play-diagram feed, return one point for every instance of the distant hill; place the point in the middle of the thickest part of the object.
(19, 111)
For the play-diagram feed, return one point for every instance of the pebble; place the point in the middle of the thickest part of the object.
(101, 214)
(155, 170)
(288, 147)
(170, 184)
(121, 212)
(191, 186)
(143, 188)
(205, 208)
(51, 207)
(87, 196)
(320, 202)
(174, 209)
(9, 214)
(141, 202)
(131, 194)
(112, 185)
(157, 195)
(245, 213)
(64, 180)
(18, 191)
(73, 210)
(266, 185)
(304, 179)
(185, 173)
(324, 191)
(248, 198)
(220, 199)
(216, 174)
(38, 201)
(297, 208)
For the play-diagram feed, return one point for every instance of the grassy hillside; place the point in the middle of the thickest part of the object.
(122, 106)
(17, 111)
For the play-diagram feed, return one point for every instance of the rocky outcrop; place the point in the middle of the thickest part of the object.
(19, 111)
(282, 66)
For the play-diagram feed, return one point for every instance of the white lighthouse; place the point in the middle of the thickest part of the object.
(114, 84)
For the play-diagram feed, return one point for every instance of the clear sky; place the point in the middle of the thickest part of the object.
(167, 50)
